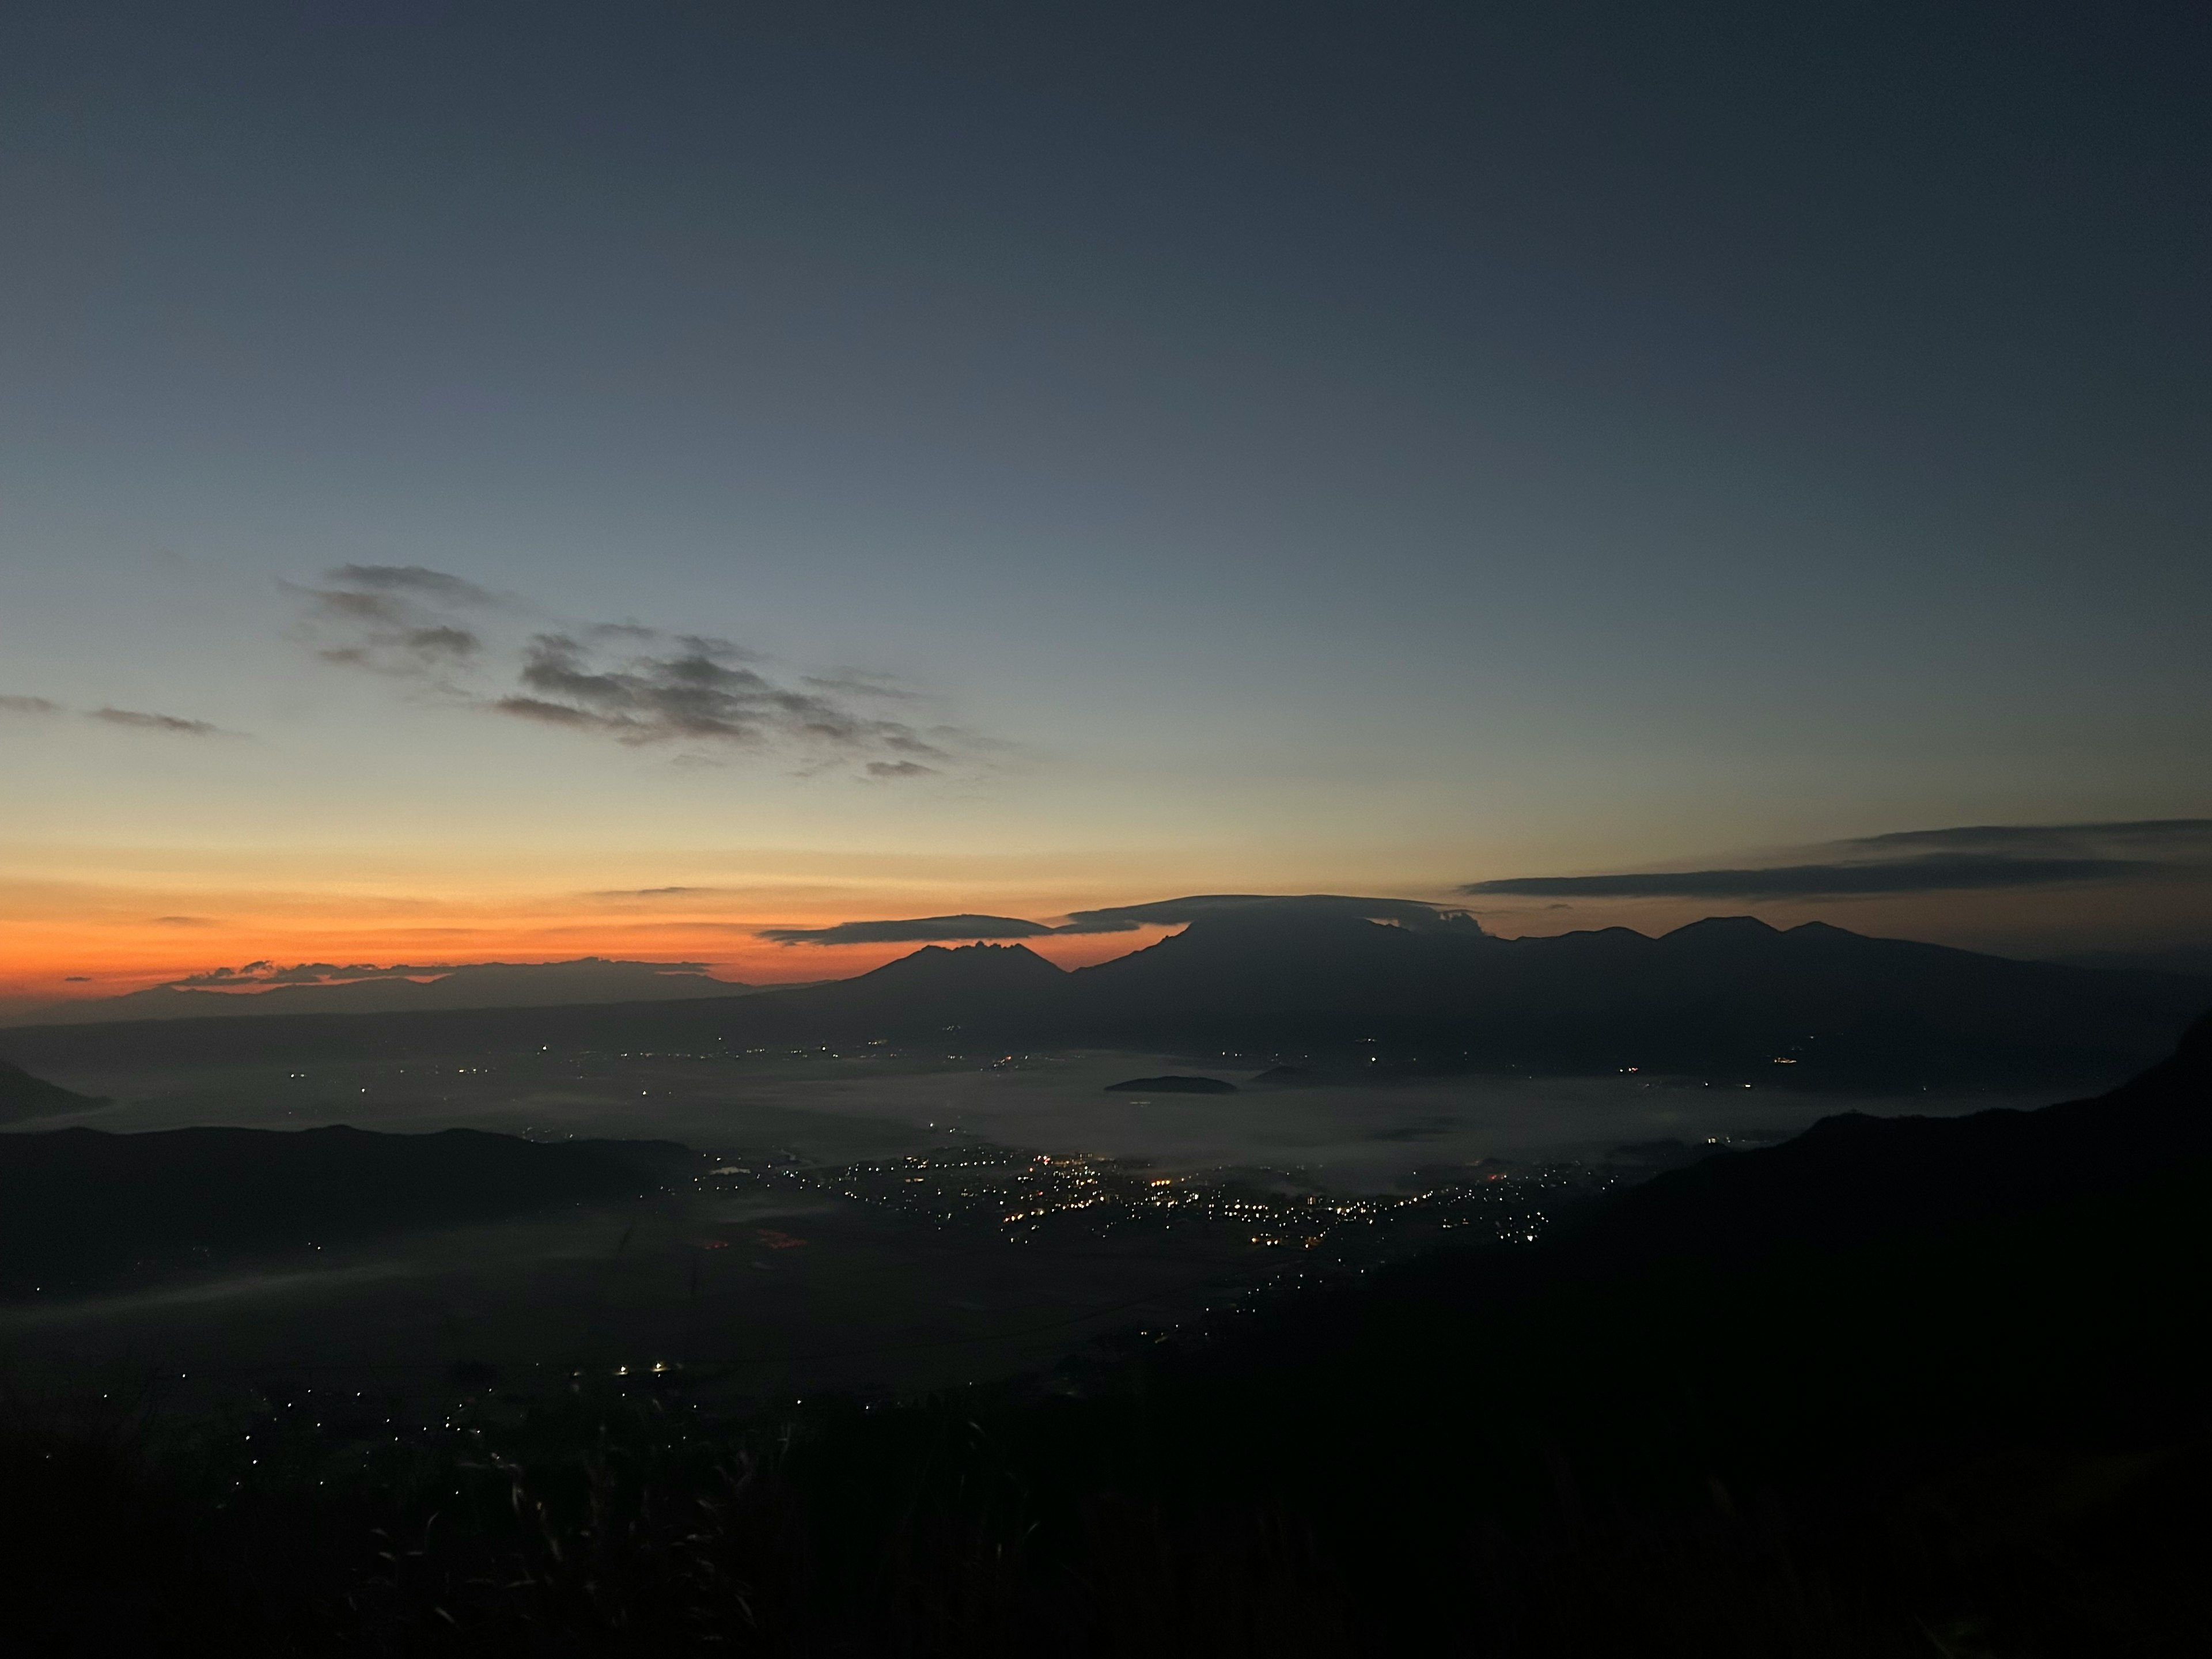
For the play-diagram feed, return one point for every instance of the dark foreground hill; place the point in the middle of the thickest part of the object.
(1852, 1179)
(1727, 997)
(77, 1206)
(1894, 1390)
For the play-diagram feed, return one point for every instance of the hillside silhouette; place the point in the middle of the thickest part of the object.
(77, 1205)
(22, 1096)
(1852, 1178)
(1334, 993)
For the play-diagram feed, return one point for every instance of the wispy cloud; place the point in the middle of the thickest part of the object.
(399, 620)
(1911, 861)
(623, 681)
(2188, 834)
(1933, 872)
(1124, 918)
(912, 930)
(142, 719)
(137, 719)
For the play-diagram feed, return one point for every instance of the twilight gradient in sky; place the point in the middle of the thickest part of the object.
(900, 461)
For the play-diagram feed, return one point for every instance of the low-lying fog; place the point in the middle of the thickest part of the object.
(1342, 1137)
(769, 1279)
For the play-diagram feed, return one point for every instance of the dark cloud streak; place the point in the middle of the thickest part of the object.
(1125, 919)
(2053, 838)
(137, 720)
(140, 719)
(1977, 858)
(913, 930)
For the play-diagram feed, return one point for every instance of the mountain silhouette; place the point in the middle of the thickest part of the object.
(1728, 996)
(948, 985)
(22, 1096)
(1852, 1179)
(1984, 1327)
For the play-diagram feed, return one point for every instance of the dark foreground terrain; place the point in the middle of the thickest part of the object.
(1900, 1386)
(80, 1207)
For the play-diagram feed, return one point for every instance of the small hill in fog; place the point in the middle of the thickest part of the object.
(1172, 1085)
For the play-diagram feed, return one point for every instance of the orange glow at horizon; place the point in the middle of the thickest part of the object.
(82, 945)
(93, 921)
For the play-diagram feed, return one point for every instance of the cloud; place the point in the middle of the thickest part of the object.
(305, 973)
(1933, 872)
(395, 619)
(1973, 859)
(657, 688)
(911, 931)
(1123, 918)
(143, 721)
(623, 681)
(2052, 838)
(412, 578)
(186, 922)
(859, 682)
(137, 719)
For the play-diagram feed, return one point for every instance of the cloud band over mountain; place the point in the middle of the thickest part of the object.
(1115, 919)
(1122, 918)
(912, 930)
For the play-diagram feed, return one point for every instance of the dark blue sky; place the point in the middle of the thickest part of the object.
(1398, 445)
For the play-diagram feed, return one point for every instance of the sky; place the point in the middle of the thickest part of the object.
(511, 482)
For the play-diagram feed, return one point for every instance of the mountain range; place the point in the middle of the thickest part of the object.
(1728, 996)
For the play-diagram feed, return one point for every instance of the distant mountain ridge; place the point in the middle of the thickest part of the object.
(1728, 996)
(468, 985)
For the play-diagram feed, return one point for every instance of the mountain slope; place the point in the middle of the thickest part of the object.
(22, 1096)
(1853, 1179)
(77, 1204)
